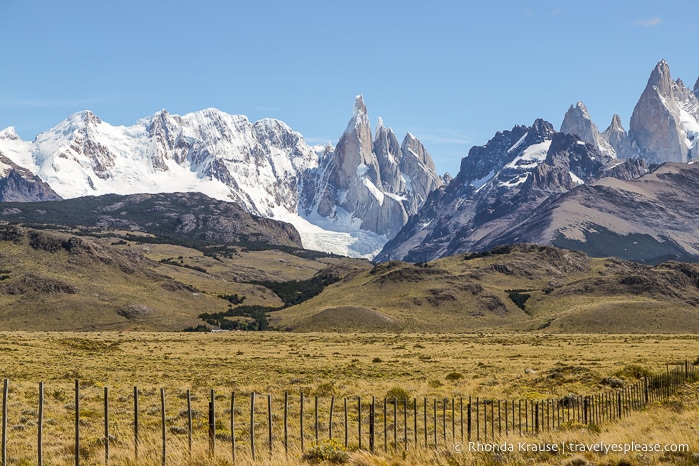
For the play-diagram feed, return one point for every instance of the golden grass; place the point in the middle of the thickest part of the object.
(323, 365)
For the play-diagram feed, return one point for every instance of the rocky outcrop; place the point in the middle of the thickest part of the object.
(18, 184)
(665, 122)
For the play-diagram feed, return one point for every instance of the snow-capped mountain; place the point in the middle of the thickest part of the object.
(379, 183)
(263, 166)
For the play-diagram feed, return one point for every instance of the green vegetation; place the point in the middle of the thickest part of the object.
(519, 298)
(297, 291)
(256, 318)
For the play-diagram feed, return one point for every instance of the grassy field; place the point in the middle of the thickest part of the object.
(502, 366)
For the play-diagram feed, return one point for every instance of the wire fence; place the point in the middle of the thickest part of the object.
(255, 424)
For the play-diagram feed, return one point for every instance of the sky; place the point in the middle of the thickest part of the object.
(453, 73)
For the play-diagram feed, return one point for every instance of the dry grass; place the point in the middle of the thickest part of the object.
(323, 365)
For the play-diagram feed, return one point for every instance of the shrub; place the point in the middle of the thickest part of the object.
(399, 393)
(329, 450)
(634, 371)
(454, 376)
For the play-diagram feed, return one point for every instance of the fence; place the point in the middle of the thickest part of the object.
(365, 423)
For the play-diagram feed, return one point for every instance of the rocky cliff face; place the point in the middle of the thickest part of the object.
(376, 184)
(665, 122)
(577, 121)
(18, 184)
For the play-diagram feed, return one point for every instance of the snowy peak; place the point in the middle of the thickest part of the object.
(9, 133)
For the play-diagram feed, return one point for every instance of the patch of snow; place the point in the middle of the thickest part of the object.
(376, 192)
(575, 178)
(479, 183)
(515, 181)
(532, 156)
(518, 143)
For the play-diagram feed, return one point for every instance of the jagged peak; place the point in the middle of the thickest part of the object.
(359, 106)
(85, 116)
(573, 115)
(615, 125)
(359, 116)
(696, 88)
(9, 133)
(660, 77)
(379, 123)
(543, 127)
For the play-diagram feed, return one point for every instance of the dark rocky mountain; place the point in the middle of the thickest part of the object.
(189, 217)
(499, 187)
(18, 184)
(647, 219)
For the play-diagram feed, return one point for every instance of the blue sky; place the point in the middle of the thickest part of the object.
(451, 72)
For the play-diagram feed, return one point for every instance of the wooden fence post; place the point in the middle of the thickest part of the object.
(286, 425)
(359, 418)
(106, 426)
(405, 422)
(315, 412)
(395, 423)
(269, 422)
(212, 424)
(40, 445)
(135, 421)
(434, 411)
(5, 391)
(425, 420)
(346, 424)
(330, 421)
(252, 424)
(303, 445)
(164, 432)
(415, 421)
(77, 423)
(189, 421)
(372, 413)
(232, 426)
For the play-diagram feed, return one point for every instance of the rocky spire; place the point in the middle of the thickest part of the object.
(657, 131)
(617, 137)
(696, 88)
(577, 121)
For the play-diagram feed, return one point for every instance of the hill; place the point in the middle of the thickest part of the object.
(59, 280)
(514, 288)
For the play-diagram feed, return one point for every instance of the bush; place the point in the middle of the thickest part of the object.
(634, 371)
(454, 376)
(329, 450)
(399, 393)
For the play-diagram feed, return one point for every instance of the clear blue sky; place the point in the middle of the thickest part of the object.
(451, 72)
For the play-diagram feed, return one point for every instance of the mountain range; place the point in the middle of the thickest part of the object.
(628, 194)
(347, 199)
